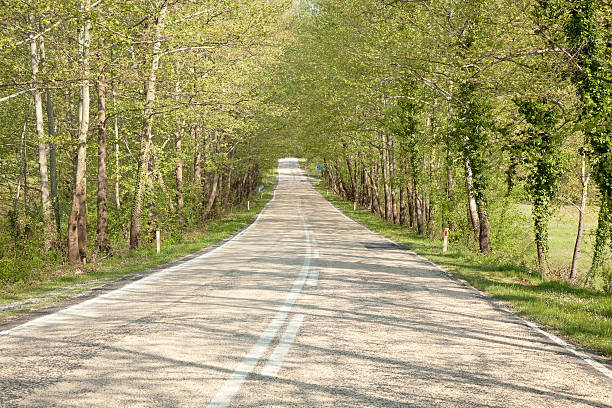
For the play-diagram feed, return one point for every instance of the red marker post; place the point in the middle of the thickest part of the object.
(445, 246)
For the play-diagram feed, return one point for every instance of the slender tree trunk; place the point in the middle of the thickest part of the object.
(396, 210)
(418, 207)
(213, 195)
(146, 132)
(228, 187)
(411, 205)
(116, 128)
(197, 167)
(584, 178)
(43, 146)
(484, 236)
(102, 238)
(375, 197)
(385, 176)
(472, 210)
(77, 227)
(52, 151)
(353, 177)
(402, 209)
(22, 146)
(180, 199)
(450, 192)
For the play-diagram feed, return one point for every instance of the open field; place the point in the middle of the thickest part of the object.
(562, 237)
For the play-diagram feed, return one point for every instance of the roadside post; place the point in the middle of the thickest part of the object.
(158, 240)
(445, 246)
(248, 205)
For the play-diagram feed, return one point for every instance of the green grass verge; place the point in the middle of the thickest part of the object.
(581, 316)
(70, 280)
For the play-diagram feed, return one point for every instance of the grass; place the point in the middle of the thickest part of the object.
(562, 237)
(581, 316)
(70, 280)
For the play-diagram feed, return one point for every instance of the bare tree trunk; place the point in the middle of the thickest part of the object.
(450, 191)
(146, 132)
(385, 176)
(52, 151)
(180, 198)
(43, 148)
(472, 210)
(484, 236)
(228, 187)
(584, 178)
(419, 213)
(22, 146)
(353, 177)
(213, 195)
(375, 198)
(77, 228)
(102, 238)
(197, 166)
(402, 208)
(411, 205)
(116, 128)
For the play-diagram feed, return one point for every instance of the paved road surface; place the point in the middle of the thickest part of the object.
(304, 309)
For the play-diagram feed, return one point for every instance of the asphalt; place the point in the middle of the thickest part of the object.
(305, 308)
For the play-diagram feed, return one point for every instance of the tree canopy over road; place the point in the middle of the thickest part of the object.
(123, 117)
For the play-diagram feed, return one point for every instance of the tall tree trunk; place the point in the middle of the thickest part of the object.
(102, 239)
(419, 213)
(213, 195)
(396, 211)
(197, 167)
(116, 129)
(52, 136)
(411, 205)
(43, 146)
(402, 209)
(146, 132)
(375, 197)
(386, 176)
(180, 199)
(450, 191)
(584, 178)
(353, 177)
(472, 210)
(228, 187)
(77, 227)
(22, 164)
(484, 236)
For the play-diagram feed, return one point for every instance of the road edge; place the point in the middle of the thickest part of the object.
(595, 360)
(12, 322)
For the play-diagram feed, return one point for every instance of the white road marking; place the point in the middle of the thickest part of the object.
(316, 254)
(313, 277)
(278, 355)
(232, 385)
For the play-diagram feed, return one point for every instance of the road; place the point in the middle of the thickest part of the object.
(304, 309)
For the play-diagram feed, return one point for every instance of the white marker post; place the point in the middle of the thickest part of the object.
(248, 205)
(354, 206)
(445, 246)
(157, 238)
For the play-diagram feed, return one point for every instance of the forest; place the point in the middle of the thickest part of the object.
(486, 117)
